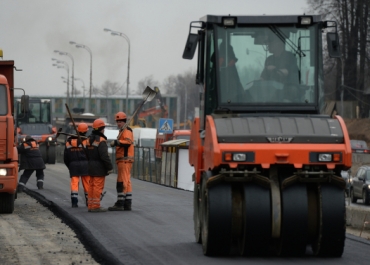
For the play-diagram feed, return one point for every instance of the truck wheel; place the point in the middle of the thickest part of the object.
(51, 155)
(353, 198)
(7, 202)
(43, 151)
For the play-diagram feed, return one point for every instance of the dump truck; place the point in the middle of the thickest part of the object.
(267, 158)
(8, 143)
(37, 123)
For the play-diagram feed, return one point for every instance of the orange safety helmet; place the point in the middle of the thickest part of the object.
(98, 124)
(120, 116)
(82, 127)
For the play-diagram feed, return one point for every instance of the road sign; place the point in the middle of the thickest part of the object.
(165, 126)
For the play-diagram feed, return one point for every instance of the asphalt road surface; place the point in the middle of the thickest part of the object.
(158, 230)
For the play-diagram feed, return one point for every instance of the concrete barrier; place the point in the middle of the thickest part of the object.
(358, 218)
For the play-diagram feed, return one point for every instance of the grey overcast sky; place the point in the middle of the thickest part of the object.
(30, 31)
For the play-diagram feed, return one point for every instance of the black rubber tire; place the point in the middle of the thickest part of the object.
(333, 220)
(256, 221)
(353, 198)
(7, 203)
(43, 151)
(197, 214)
(216, 219)
(365, 198)
(294, 226)
(51, 154)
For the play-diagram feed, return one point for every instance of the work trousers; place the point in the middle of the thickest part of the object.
(124, 177)
(75, 181)
(95, 189)
(27, 174)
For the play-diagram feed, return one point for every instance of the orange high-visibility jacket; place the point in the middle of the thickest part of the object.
(125, 148)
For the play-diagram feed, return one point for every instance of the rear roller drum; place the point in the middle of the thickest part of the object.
(330, 241)
(216, 219)
(196, 214)
(294, 226)
(256, 221)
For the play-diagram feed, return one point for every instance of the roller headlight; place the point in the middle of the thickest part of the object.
(325, 157)
(50, 138)
(239, 157)
(3, 172)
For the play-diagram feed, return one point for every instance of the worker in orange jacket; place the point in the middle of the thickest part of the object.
(100, 165)
(124, 159)
(76, 161)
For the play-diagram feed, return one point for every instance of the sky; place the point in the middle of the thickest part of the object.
(30, 32)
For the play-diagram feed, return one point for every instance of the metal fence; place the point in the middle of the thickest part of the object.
(146, 166)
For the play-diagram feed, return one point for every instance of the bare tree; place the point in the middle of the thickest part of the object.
(184, 86)
(109, 89)
(146, 81)
(353, 19)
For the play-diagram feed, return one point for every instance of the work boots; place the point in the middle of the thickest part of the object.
(127, 205)
(20, 188)
(74, 202)
(118, 206)
(40, 185)
(97, 210)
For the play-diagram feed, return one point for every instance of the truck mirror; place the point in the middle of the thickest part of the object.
(25, 103)
(191, 45)
(333, 45)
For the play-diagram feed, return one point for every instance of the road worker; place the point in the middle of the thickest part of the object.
(76, 161)
(31, 160)
(124, 159)
(100, 165)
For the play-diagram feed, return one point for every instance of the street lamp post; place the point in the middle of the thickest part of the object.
(65, 66)
(73, 71)
(83, 85)
(186, 104)
(90, 52)
(116, 33)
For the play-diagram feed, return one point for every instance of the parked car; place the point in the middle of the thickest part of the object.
(360, 188)
(359, 146)
(346, 175)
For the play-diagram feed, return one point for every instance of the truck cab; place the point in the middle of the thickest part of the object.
(36, 122)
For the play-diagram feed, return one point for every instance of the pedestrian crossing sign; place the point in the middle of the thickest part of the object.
(165, 126)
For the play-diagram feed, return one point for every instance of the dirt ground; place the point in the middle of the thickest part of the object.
(34, 235)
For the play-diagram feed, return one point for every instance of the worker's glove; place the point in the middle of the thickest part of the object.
(110, 171)
(114, 143)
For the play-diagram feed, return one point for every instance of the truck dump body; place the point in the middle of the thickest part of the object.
(267, 159)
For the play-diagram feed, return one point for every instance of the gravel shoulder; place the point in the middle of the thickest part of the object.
(35, 235)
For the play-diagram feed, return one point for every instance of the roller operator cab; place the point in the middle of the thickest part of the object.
(267, 159)
(36, 122)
